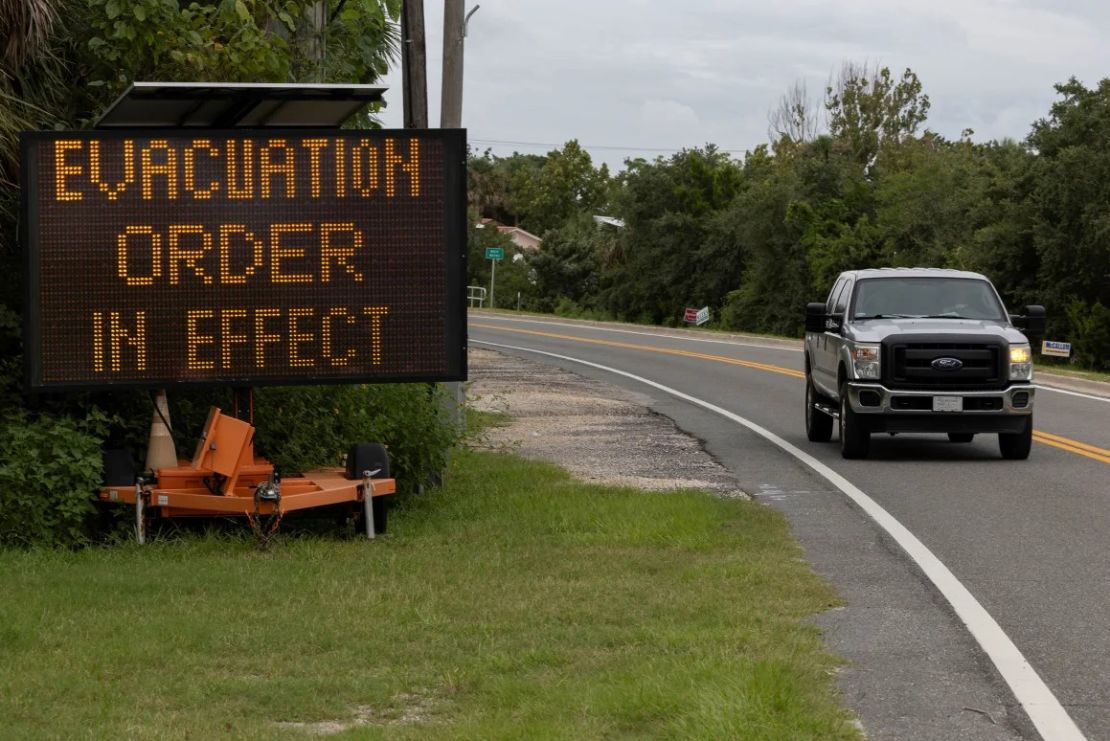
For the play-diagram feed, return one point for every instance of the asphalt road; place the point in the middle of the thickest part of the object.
(1028, 539)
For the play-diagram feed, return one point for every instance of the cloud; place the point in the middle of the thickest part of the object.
(667, 118)
(640, 73)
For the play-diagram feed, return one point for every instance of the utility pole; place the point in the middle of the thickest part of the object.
(414, 65)
(318, 18)
(414, 81)
(454, 34)
(450, 117)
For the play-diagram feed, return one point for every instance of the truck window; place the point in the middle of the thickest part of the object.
(842, 300)
(940, 297)
(834, 294)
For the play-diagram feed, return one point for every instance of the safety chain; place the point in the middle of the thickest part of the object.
(266, 526)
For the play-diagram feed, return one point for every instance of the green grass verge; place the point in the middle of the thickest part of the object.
(1062, 370)
(514, 603)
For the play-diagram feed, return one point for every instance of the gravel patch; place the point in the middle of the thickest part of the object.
(597, 432)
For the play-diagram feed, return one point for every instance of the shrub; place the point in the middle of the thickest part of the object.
(1090, 334)
(50, 468)
(50, 462)
(300, 428)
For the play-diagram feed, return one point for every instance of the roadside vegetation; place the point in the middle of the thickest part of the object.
(849, 179)
(513, 602)
(62, 62)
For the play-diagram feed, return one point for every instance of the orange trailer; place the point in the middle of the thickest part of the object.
(224, 478)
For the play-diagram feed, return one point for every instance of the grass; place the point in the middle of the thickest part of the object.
(1063, 370)
(513, 603)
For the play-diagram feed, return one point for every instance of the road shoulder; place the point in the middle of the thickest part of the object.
(914, 673)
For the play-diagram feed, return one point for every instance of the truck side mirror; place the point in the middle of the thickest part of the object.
(1032, 321)
(818, 321)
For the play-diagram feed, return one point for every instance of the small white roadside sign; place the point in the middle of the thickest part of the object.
(1056, 349)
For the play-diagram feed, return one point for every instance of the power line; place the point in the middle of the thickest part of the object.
(593, 146)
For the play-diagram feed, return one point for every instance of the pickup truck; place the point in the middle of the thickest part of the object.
(919, 350)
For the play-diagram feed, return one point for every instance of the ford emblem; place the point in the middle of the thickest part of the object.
(947, 364)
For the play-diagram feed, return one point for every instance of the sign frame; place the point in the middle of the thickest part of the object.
(455, 234)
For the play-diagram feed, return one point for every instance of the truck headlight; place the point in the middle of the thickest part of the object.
(1021, 363)
(865, 359)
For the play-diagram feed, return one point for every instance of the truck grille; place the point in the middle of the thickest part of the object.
(908, 364)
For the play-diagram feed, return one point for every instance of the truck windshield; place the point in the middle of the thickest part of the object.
(939, 298)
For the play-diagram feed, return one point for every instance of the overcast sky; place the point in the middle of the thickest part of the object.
(652, 76)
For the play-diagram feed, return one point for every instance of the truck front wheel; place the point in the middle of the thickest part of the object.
(855, 440)
(1015, 445)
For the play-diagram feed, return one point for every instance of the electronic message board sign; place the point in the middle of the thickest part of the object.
(159, 257)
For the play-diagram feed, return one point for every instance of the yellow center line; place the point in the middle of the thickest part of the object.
(1088, 451)
(1056, 441)
(651, 348)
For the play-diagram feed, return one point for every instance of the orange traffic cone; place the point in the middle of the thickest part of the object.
(160, 451)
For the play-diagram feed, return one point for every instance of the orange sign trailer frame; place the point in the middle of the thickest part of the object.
(225, 478)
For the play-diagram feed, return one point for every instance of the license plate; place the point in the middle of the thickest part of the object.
(948, 404)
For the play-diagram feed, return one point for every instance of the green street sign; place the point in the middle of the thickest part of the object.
(495, 253)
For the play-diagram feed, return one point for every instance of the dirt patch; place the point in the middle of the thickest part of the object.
(598, 432)
(406, 709)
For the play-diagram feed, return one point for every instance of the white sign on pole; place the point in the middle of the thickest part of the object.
(1056, 349)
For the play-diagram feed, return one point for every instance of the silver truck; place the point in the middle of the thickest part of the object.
(919, 350)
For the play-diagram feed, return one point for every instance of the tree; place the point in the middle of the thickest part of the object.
(61, 63)
(236, 40)
(566, 267)
(32, 86)
(495, 183)
(999, 242)
(796, 119)
(1071, 196)
(669, 258)
(767, 226)
(868, 109)
(567, 183)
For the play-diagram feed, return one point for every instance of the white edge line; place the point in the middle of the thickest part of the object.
(1041, 387)
(1044, 710)
(738, 343)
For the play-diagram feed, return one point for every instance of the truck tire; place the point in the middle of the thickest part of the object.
(961, 437)
(818, 424)
(1015, 445)
(854, 439)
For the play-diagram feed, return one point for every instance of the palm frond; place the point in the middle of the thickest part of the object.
(26, 26)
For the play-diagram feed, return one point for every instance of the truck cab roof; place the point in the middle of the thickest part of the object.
(911, 273)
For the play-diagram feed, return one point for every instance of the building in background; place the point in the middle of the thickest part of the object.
(525, 240)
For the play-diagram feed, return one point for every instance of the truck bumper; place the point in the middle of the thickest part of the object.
(894, 410)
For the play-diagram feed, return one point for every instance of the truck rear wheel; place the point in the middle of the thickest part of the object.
(855, 440)
(818, 424)
(1015, 445)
